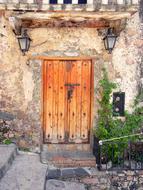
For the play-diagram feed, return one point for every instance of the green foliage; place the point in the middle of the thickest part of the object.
(6, 133)
(7, 141)
(111, 127)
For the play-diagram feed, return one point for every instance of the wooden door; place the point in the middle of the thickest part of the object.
(67, 100)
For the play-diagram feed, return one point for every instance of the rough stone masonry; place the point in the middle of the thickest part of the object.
(20, 77)
(91, 179)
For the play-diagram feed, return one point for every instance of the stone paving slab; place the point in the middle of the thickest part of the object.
(66, 173)
(63, 185)
(26, 173)
(7, 155)
(53, 174)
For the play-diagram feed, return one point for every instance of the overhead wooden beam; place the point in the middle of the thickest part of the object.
(63, 23)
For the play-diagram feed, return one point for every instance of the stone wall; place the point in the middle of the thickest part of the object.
(20, 77)
(127, 58)
(113, 180)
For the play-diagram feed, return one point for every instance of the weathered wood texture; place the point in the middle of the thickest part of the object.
(64, 23)
(67, 101)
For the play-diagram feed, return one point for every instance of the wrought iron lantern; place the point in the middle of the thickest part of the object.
(24, 41)
(109, 40)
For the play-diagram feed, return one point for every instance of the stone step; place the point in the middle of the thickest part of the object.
(66, 147)
(67, 163)
(65, 173)
(7, 155)
(68, 158)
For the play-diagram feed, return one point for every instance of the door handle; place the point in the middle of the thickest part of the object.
(71, 89)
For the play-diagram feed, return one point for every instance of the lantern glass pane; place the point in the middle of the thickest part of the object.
(22, 43)
(111, 42)
(27, 43)
(106, 43)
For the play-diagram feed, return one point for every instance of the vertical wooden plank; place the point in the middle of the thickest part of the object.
(48, 99)
(66, 122)
(85, 112)
(67, 118)
(61, 101)
(78, 101)
(55, 100)
(72, 103)
(44, 98)
(92, 103)
(89, 92)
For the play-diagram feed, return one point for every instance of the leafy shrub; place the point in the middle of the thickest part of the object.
(112, 127)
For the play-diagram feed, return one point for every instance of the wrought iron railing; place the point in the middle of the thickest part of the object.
(121, 153)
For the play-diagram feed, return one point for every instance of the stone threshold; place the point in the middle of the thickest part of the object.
(65, 173)
(7, 155)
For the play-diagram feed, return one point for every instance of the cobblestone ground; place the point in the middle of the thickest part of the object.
(66, 179)
(92, 179)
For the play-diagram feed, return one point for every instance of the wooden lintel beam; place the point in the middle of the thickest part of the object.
(64, 23)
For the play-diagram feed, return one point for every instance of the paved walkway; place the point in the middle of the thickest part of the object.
(26, 173)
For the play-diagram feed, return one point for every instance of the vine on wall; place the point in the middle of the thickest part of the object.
(112, 127)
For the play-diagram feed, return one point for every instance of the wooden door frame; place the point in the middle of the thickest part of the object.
(44, 58)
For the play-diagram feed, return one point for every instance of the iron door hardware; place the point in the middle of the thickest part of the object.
(71, 89)
(70, 92)
(72, 84)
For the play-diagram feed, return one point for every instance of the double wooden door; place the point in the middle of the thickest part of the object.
(67, 100)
